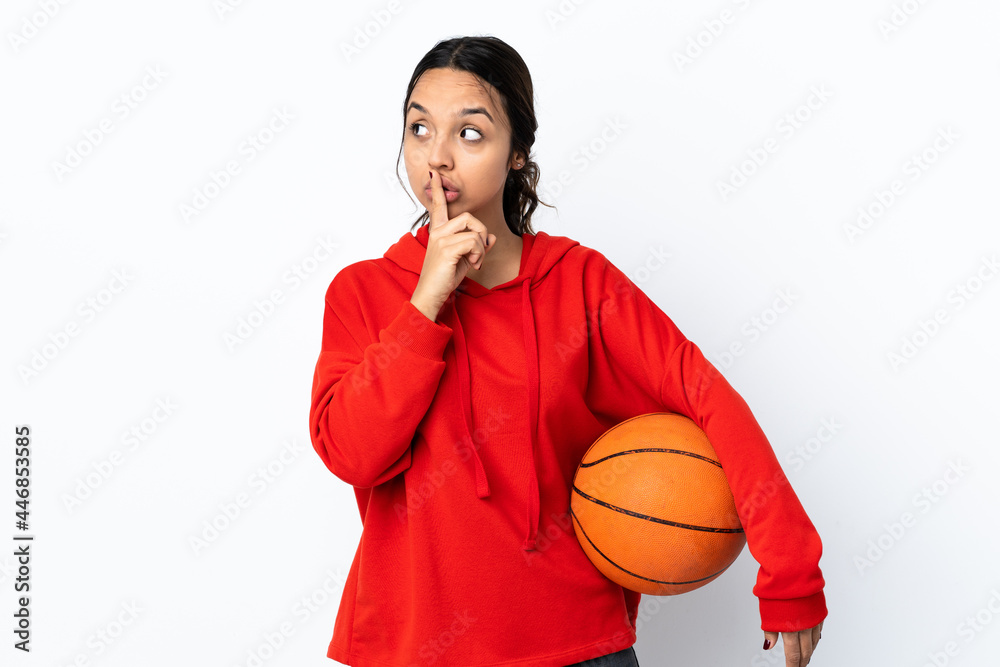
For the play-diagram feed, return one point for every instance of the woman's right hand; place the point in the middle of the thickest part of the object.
(453, 247)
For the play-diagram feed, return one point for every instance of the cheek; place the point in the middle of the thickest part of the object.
(417, 176)
(491, 177)
(416, 160)
(412, 162)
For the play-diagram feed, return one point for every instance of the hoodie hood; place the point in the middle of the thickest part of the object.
(541, 252)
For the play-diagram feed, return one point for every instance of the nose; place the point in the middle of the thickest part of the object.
(439, 153)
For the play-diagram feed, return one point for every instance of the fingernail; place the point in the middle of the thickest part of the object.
(767, 644)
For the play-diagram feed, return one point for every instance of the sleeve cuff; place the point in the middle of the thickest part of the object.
(416, 332)
(792, 615)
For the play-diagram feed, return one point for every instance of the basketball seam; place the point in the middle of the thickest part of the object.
(707, 529)
(633, 574)
(653, 449)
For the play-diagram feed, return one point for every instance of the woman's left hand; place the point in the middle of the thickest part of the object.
(799, 646)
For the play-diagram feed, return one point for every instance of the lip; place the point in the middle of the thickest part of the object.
(445, 183)
(449, 195)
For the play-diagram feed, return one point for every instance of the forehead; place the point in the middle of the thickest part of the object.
(448, 90)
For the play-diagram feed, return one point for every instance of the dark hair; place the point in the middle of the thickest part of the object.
(494, 61)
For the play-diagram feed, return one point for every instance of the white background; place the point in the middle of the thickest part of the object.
(114, 518)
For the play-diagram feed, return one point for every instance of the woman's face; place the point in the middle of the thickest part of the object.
(454, 127)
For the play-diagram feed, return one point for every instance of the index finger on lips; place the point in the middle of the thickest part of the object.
(439, 204)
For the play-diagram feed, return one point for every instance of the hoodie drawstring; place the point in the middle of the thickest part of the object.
(531, 361)
(533, 381)
(465, 390)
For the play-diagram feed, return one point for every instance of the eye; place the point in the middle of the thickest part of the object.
(478, 138)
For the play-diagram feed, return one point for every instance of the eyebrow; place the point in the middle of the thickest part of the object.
(461, 114)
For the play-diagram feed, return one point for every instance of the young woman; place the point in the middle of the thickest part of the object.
(462, 377)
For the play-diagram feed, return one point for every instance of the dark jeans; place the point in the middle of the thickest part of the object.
(623, 658)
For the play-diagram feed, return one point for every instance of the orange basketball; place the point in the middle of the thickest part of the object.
(652, 508)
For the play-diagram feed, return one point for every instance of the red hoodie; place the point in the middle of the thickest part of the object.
(461, 437)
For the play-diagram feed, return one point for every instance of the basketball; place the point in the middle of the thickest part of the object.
(651, 506)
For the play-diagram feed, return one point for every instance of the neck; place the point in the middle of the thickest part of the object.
(507, 243)
(502, 258)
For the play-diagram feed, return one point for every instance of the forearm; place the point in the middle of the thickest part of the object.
(365, 410)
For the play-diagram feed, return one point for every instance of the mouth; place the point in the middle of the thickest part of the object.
(445, 183)
(449, 195)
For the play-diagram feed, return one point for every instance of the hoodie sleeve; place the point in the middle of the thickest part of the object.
(639, 354)
(368, 396)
